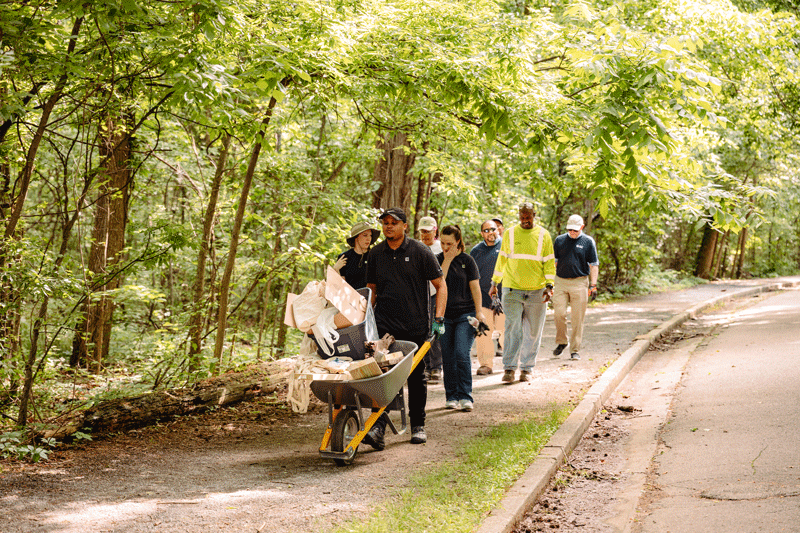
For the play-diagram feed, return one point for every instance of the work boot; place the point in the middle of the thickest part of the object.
(508, 376)
(374, 436)
(418, 435)
(559, 349)
(484, 370)
(525, 375)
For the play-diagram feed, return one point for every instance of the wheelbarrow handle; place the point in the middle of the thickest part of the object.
(422, 351)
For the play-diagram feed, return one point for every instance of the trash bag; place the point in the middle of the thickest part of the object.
(309, 304)
(324, 330)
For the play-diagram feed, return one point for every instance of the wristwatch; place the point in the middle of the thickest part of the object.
(549, 286)
(439, 320)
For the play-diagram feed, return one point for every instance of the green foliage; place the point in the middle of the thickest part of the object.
(644, 117)
(12, 444)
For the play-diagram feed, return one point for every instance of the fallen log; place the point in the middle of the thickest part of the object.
(123, 414)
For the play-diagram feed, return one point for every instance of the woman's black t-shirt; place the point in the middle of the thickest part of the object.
(463, 269)
(355, 271)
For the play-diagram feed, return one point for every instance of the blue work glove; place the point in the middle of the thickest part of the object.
(437, 330)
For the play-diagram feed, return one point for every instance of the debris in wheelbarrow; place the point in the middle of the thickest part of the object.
(365, 368)
(379, 346)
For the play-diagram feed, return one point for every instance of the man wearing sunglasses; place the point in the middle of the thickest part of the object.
(526, 267)
(485, 254)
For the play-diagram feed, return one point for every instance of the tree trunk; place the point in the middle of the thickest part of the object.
(224, 289)
(92, 337)
(130, 413)
(196, 320)
(740, 249)
(705, 257)
(27, 170)
(393, 172)
(722, 244)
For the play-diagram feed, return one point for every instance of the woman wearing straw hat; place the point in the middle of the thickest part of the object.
(352, 264)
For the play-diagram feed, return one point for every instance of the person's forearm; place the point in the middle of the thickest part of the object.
(441, 299)
(477, 298)
(594, 270)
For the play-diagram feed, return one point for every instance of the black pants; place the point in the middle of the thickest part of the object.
(417, 387)
(433, 359)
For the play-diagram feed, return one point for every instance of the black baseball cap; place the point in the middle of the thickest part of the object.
(396, 213)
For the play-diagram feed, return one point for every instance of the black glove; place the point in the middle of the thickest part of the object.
(497, 306)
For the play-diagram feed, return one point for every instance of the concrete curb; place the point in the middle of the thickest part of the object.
(524, 493)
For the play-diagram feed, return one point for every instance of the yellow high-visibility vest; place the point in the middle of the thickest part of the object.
(526, 260)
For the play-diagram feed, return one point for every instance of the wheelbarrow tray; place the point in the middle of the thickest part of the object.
(375, 392)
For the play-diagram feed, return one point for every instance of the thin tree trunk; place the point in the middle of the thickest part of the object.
(27, 170)
(723, 251)
(740, 250)
(224, 289)
(196, 321)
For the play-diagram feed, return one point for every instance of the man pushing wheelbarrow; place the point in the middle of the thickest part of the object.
(398, 272)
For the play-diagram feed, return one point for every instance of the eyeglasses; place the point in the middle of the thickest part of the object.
(489, 230)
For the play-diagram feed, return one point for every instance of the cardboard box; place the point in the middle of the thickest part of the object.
(345, 298)
(351, 305)
(366, 368)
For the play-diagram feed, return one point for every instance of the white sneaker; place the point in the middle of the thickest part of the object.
(451, 404)
(465, 405)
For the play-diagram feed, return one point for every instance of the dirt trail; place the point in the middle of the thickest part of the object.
(255, 467)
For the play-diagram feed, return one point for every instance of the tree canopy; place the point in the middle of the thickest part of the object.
(170, 170)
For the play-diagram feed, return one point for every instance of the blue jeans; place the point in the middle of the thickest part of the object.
(456, 362)
(523, 309)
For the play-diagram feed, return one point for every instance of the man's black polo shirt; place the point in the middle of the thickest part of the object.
(401, 280)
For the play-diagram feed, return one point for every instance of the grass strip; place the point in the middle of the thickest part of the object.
(455, 496)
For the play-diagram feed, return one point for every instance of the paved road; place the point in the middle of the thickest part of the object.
(729, 459)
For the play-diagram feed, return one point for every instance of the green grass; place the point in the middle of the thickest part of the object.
(455, 496)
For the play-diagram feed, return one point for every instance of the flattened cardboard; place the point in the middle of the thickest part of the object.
(288, 316)
(345, 298)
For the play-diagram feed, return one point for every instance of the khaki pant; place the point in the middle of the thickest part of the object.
(484, 345)
(572, 292)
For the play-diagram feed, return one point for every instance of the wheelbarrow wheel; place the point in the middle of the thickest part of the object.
(344, 429)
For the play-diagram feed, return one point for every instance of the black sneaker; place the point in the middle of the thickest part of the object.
(575, 356)
(559, 349)
(374, 436)
(418, 435)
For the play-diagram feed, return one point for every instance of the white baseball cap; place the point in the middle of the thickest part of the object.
(575, 222)
(427, 223)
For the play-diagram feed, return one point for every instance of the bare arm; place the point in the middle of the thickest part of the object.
(477, 299)
(593, 272)
(441, 295)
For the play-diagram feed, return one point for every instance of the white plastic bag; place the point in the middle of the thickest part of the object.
(325, 330)
(309, 304)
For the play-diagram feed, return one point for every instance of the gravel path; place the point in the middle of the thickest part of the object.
(255, 467)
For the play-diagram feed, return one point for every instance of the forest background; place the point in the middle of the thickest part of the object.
(170, 170)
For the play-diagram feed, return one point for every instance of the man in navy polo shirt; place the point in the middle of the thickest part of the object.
(398, 271)
(577, 267)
